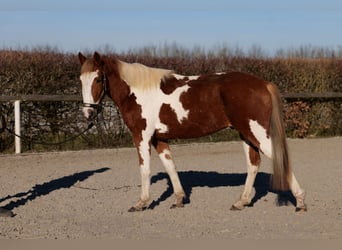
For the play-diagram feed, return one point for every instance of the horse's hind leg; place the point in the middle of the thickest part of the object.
(298, 193)
(164, 153)
(253, 163)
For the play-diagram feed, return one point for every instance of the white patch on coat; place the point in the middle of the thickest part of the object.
(174, 100)
(189, 78)
(179, 77)
(87, 80)
(151, 102)
(161, 127)
(260, 134)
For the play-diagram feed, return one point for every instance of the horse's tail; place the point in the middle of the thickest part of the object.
(281, 163)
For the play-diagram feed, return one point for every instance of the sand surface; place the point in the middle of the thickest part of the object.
(86, 194)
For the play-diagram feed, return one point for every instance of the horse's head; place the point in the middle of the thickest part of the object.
(94, 83)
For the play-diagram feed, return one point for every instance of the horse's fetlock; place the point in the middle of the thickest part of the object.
(140, 206)
(180, 195)
(179, 199)
(300, 206)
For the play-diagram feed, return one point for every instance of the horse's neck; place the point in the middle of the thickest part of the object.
(127, 76)
(118, 90)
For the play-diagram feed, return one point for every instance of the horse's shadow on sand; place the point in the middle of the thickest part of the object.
(45, 189)
(191, 179)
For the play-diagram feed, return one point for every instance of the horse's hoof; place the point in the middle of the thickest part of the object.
(301, 209)
(177, 206)
(6, 213)
(235, 208)
(135, 209)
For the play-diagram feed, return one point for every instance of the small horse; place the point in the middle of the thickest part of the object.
(158, 105)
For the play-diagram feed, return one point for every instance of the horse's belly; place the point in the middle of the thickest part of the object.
(195, 125)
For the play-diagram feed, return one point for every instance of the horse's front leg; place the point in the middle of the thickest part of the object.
(164, 153)
(144, 153)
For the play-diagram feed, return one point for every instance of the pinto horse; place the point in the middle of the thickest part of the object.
(158, 105)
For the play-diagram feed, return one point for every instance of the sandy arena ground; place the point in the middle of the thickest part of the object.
(87, 194)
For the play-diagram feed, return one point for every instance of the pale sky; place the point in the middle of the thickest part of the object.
(128, 24)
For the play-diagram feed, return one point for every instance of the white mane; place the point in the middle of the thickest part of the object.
(139, 76)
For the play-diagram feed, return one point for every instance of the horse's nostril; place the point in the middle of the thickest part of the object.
(89, 113)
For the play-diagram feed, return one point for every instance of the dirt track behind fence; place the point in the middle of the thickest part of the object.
(86, 194)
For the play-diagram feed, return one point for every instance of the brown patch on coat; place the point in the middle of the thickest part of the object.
(161, 147)
(254, 156)
(170, 84)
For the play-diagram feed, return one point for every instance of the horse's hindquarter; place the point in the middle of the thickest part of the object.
(246, 98)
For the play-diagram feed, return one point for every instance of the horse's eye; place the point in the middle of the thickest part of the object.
(98, 80)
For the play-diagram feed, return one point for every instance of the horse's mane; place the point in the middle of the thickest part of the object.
(141, 77)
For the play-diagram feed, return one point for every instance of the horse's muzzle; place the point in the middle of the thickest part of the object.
(90, 111)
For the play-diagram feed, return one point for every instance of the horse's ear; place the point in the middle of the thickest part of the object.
(98, 59)
(81, 57)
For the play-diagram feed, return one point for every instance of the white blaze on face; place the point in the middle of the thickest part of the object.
(87, 80)
(260, 134)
